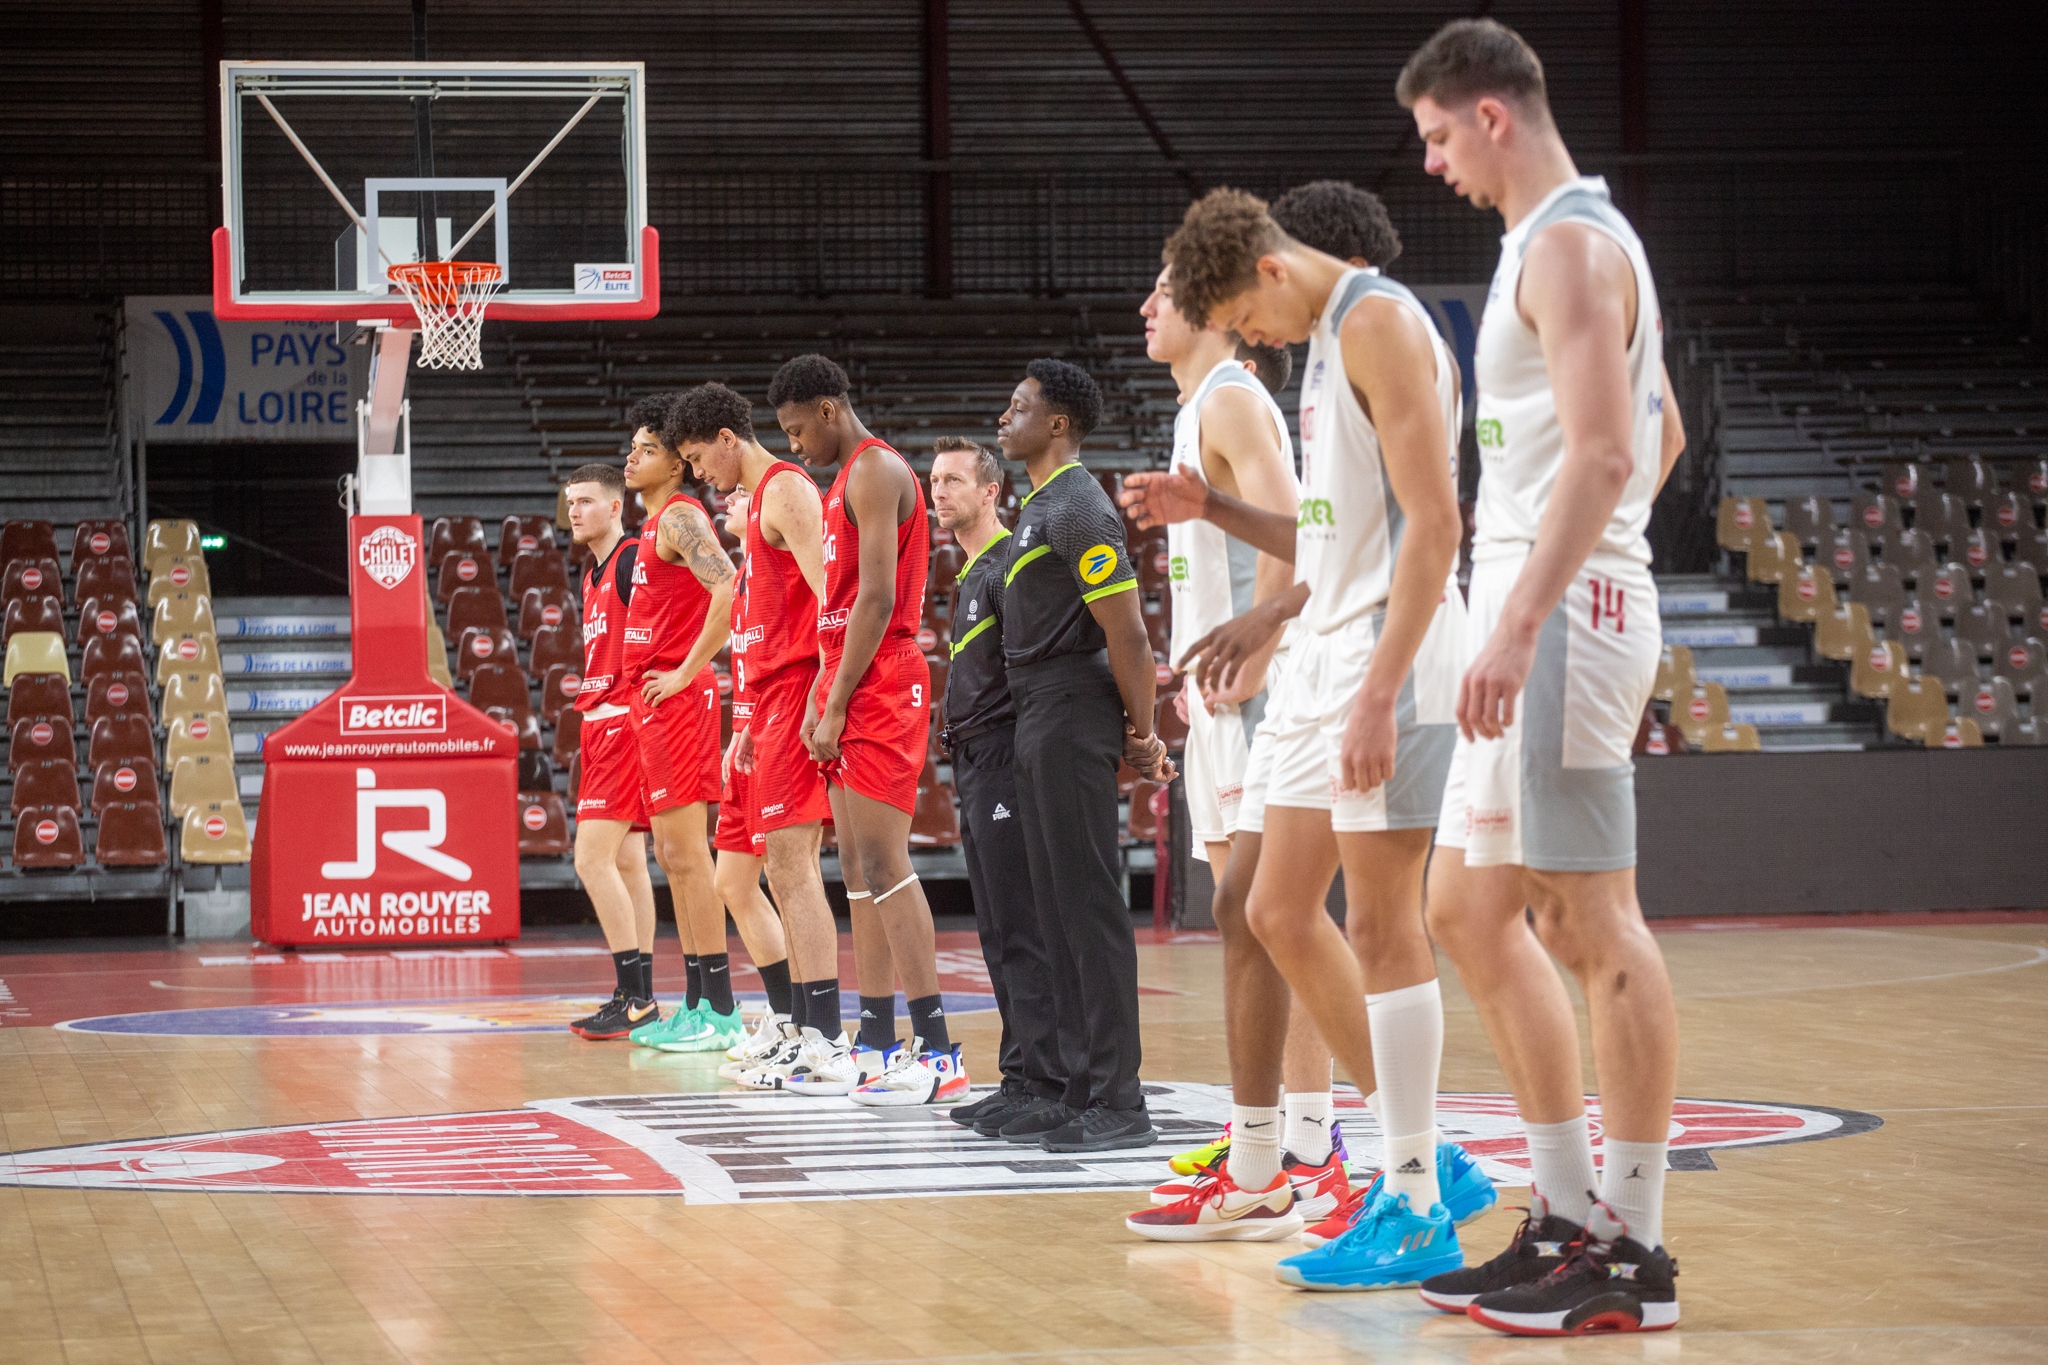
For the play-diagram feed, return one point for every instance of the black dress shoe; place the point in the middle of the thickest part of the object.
(1103, 1130)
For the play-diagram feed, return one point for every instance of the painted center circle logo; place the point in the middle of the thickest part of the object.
(1097, 563)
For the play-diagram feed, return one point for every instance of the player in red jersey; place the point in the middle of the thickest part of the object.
(775, 667)
(874, 713)
(679, 616)
(611, 816)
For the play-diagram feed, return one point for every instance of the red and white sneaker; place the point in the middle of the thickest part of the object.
(1221, 1212)
(1339, 1220)
(1319, 1191)
(1184, 1187)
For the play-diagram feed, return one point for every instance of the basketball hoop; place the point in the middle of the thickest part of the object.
(450, 298)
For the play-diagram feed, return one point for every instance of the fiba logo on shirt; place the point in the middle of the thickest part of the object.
(387, 555)
(1097, 563)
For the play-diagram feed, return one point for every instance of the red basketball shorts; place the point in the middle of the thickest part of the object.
(610, 758)
(787, 787)
(735, 832)
(888, 721)
(679, 744)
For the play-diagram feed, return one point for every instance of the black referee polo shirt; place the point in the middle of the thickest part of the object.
(977, 684)
(1067, 551)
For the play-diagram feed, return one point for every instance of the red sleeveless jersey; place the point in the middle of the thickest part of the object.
(607, 588)
(842, 560)
(668, 606)
(778, 623)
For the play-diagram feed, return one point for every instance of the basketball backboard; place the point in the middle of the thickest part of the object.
(330, 170)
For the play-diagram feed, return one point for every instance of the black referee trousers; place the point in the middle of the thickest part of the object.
(999, 872)
(1070, 741)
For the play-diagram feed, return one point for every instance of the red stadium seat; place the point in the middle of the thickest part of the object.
(482, 645)
(27, 540)
(456, 533)
(543, 825)
(935, 823)
(111, 654)
(33, 613)
(561, 644)
(31, 578)
(38, 739)
(568, 738)
(544, 606)
(51, 782)
(576, 778)
(464, 569)
(116, 694)
(536, 773)
(108, 615)
(103, 578)
(131, 835)
(538, 568)
(500, 684)
(521, 534)
(47, 837)
(523, 727)
(558, 688)
(45, 695)
(114, 781)
(1166, 721)
(475, 606)
(105, 539)
(125, 738)
(946, 563)
(1143, 825)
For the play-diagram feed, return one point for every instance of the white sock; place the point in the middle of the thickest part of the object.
(1407, 1046)
(1254, 1146)
(1561, 1166)
(1307, 1136)
(1632, 1184)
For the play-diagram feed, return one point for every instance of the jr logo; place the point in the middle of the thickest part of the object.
(423, 846)
(1490, 437)
(1316, 512)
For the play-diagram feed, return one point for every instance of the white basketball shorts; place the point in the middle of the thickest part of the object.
(1556, 793)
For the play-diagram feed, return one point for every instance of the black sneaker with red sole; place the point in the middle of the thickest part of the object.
(1608, 1283)
(1538, 1247)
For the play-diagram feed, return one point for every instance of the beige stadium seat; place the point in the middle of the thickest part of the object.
(1731, 738)
(200, 779)
(178, 573)
(1674, 673)
(166, 540)
(1706, 708)
(1741, 523)
(1873, 672)
(215, 832)
(196, 690)
(37, 651)
(1772, 557)
(1806, 592)
(181, 613)
(437, 656)
(197, 732)
(1843, 632)
(187, 654)
(1918, 707)
(1960, 733)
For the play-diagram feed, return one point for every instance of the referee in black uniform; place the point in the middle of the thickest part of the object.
(1081, 671)
(981, 733)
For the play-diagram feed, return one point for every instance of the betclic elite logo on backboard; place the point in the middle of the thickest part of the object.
(618, 279)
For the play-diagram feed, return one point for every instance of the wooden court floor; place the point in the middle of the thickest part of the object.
(1920, 1239)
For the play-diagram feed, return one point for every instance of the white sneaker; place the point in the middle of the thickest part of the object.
(750, 1051)
(773, 1070)
(824, 1066)
(872, 1062)
(915, 1076)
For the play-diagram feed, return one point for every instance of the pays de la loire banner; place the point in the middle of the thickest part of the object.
(194, 377)
(388, 809)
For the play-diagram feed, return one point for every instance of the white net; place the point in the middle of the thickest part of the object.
(450, 298)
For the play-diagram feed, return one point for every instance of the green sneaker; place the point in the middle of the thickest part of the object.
(681, 1022)
(713, 1032)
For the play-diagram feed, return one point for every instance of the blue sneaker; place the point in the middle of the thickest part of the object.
(1463, 1187)
(1389, 1247)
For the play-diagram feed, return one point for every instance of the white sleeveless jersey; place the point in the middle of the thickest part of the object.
(1521, 443)
(1349, 527)
(1212, 573)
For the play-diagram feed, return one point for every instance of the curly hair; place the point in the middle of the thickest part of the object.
(1214, 254)
(1468, 58)
(1274, 365)
(1337, 217)
(651, 412)
(806, 379)
(1071, 390)
(699, 414)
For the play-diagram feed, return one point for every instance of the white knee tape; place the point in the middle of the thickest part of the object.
(884, 895)
(858, 895)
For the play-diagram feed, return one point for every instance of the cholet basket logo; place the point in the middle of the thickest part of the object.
(387, 555)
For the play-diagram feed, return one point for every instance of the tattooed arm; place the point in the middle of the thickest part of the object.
(685, 537)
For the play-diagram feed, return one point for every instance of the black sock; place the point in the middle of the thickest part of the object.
(693, 968)
(821, 1007)
(878, 1021)
(647, 976)
(928, 1021)
(717, 972)
(626, 966)
(799, 992)
(775, 980)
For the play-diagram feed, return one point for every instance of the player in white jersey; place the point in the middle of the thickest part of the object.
(1575, 438)
(1358, 762)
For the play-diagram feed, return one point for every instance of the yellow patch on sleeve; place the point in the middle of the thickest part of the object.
(1098, 563)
